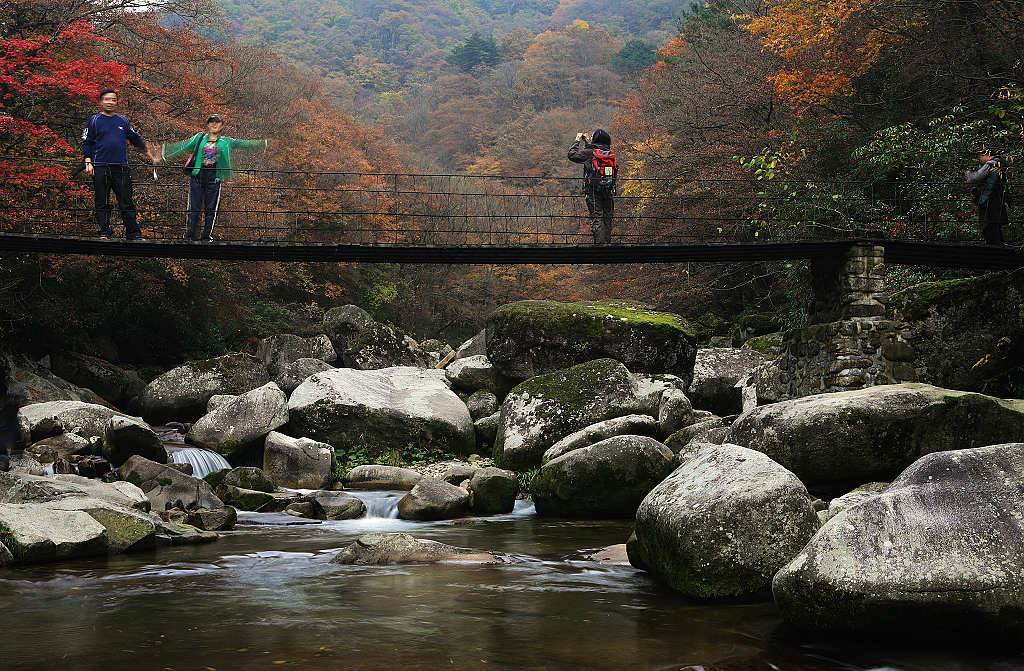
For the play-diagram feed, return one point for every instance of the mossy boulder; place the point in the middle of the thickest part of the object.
(493, 491)
(605, 480)
(937, 554)
(250, 477)
(963, 333)
(544, 409)
(768, 345)
(127, 436)
(365, 344)
(182, 393)
(245, 499)
(376, 476)
(874, 433)
(531, 338)
(165, 485)
(722, 524)
(631, 425)
(278, 351)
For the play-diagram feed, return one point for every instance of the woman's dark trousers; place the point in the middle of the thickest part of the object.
(203, 196)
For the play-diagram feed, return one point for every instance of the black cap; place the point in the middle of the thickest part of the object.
(214, 117)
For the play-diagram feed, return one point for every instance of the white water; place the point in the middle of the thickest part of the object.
(203, 461)
(380, 504)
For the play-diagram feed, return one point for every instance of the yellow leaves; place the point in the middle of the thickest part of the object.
(579, 25)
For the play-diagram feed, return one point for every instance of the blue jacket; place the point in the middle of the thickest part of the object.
(104, 139)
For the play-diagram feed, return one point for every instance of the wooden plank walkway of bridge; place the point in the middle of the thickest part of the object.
(959, 255)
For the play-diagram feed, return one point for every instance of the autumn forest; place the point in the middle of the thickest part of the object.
(763, 119)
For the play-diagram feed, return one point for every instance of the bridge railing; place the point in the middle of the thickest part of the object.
(292, 206)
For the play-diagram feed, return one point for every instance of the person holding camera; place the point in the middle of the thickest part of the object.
(209, 164)
(988, 185)
(599, 174)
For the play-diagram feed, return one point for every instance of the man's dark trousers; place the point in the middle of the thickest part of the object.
(992, 216)
(203, 196)
(116, 178)
(601, 205)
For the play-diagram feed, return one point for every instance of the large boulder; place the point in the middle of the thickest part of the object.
(433, 499)
(278, 351)
(435, 351)
(854, 498)
(937, 553)
(47, 519)
(381, 410)
(475, 346)
(61, 446)
(606, 479)
(242, 422)
(723, 523)
(376, 549)
(364, 344)
(343, 325)
(482, 404)
(297, 463)
(542, 410)
(716, 372)
(337, 506)
(530, 338)
(476, 373)
(493, 491)
(111, 382)
(86, 420)
(182, 393)
(375, 476)
(627, 425)
(874, 433)
(295, 373)
(165, 485)
(124, 437)
(41, 385)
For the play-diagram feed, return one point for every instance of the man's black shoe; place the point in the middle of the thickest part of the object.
(208, 238)
(106, 234)
(137, 236)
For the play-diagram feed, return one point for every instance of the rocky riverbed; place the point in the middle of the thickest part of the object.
(597, 412)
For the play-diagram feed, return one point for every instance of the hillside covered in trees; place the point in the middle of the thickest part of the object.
(772, 119)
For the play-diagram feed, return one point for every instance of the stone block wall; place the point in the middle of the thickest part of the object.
(852, 285)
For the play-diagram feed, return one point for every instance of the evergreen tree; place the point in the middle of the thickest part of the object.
(477, 50)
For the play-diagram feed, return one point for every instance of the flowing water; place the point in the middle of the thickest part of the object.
(266, 597)
(203, 461)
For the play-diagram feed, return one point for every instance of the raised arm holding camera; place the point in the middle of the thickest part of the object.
(600, 171)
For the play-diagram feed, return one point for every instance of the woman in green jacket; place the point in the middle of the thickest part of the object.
(210, 164)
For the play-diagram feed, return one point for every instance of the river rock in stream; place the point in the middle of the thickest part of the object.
(874, 433)
(182, 393)
(938, 553)
(544, 409)
(376, 549)
(607, 479)
(381, 410)
(530, 338)
(723, 523)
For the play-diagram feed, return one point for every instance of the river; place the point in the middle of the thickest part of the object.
(266, 597)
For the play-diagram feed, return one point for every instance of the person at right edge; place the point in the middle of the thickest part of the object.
(599, 173)
(988, 184)
(210, 165)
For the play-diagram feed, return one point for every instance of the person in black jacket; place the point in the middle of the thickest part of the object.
(989, 188)
(10, 401)
(600, 198)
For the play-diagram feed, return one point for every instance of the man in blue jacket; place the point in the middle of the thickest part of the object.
(104, 146)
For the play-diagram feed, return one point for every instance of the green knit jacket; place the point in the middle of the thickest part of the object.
(224, 146)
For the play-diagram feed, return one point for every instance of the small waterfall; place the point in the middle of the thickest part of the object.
(379, 504)
(203, 461)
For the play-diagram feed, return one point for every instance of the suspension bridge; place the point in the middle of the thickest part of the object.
(289, 216)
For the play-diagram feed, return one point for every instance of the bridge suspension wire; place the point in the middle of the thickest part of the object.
(301, 207)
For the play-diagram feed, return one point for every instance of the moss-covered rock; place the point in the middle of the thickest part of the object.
(493, 491)
(375, 549)
(607, 479)
(244, 499)
(531, 338)
(769, 345)
(874, 433)
(250, 477)
(544, 409)
(722, 524)
(964, 333)
(182, 393)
